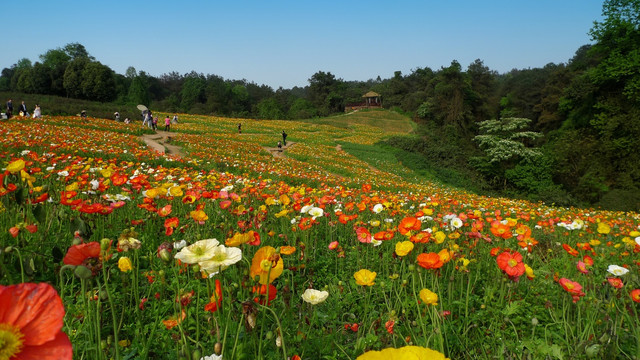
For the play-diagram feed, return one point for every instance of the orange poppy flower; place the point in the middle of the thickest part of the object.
(287, 250)
(571, 251)
(501, 230)
(430, 260)
(421, 238)
(267, 264)
(408, 224)
(511, 263)
(164, 211)
(31, 317)
(173, 321)
(635, 295)
(216, 299)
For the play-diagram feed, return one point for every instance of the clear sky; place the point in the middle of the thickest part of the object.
(283, 43)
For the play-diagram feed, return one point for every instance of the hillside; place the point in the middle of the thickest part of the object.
(221, 243)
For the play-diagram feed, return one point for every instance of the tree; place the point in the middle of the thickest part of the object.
(98, 82)
(322, 84)
(504, 139)
(73, 78)
(269, 109)
(504, 144)
(138, 93)
(77, 51)
(192, 90)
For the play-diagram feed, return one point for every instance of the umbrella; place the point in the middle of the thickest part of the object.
(142, 108)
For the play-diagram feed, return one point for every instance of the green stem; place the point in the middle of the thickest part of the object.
(113, 315)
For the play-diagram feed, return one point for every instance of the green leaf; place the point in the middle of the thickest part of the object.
(39, 213)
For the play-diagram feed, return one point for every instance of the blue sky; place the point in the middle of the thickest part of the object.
(283, 43)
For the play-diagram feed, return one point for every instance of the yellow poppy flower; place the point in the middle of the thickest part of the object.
(365, 277)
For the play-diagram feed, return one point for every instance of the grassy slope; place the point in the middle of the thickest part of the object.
(388, 121)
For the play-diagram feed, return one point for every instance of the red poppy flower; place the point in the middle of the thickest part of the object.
(306, 223)
(635, 295)
(118, 179)
(364, 236)
(261, 294)
(572, 287)
(511, 263)
(389, 326)
(615, 282)
(31, 318)
(41, 198)
(430, 260)
(77, 254)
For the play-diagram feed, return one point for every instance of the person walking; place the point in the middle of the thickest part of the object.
(167, 123)
(239, 128)
(175, 119)
(284, 138)
(9, 109)
(155, 123)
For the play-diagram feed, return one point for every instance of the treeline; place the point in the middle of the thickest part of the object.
(565, 133)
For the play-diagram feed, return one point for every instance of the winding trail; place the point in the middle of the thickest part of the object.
(161, 142)
(277, 152)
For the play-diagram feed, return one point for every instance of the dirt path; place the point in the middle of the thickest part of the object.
(277, 152)
(161, 142)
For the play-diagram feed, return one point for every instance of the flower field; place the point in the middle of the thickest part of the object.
(230, 252)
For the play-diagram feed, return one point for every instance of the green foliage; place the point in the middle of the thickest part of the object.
(302, 109)
(504, 139)
(192, 91)
(269, 109)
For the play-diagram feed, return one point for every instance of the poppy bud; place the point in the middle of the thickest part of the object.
(165, 255)
(82, 272)
(76, 241)
(196, 354)
(593, 350)
(105, 244)
(8, 249)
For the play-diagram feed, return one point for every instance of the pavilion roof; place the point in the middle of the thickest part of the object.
(370, 94)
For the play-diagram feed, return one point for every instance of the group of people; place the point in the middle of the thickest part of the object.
(22, 110)
(152, 122)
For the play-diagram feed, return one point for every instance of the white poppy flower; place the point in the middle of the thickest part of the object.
(456, 223)
(179, 244)
(199, 251)
(223, 257)
(316, 212)
(378, 208)
(617, 270)
(314, 297)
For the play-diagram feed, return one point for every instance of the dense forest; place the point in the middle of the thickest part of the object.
(565, 133)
